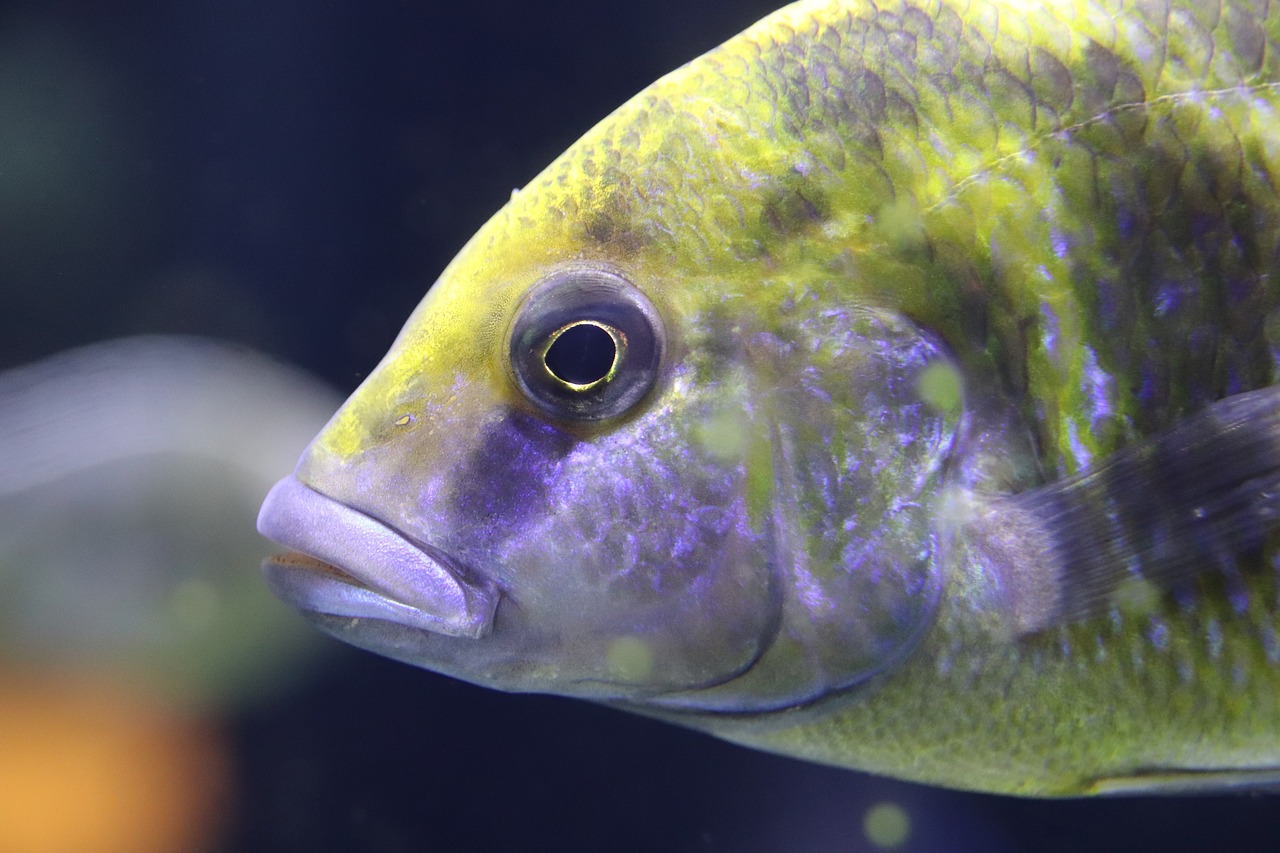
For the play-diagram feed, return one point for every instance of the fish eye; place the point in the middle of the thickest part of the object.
(585, 344)
(583, 354)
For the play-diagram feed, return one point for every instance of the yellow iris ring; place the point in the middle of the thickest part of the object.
(619, 351)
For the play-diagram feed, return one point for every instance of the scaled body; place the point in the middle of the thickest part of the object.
(891, 386)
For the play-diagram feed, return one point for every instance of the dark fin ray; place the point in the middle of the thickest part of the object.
(1190, 500)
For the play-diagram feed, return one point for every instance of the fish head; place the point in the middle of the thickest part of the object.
(608, 459)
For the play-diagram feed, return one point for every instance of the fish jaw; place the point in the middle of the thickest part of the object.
(350, 564)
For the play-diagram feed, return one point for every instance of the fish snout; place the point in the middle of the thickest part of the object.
(345, 562)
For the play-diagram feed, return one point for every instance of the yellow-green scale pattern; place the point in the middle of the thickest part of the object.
(1083, 194)
(1078, 197)
(1143, 696)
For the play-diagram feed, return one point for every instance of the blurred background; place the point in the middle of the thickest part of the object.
(287, 178)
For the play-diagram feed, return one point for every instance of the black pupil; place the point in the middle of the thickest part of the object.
(581, 355)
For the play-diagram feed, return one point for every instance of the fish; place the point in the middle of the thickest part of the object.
(892, 387)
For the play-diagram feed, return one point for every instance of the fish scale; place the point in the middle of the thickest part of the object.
(1050, 569)
(1084, 696)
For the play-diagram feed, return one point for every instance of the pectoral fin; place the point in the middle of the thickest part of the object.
(1190, 500)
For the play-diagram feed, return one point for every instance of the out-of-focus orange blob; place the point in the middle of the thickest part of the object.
(90, 766)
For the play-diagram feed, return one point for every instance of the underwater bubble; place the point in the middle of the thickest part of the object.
(629, 659)
(886, 825)
(901, 224)
(1136, 596)
(939, 386)
(723, 434)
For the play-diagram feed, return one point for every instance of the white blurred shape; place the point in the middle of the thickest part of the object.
(152, 395)
(130, 476)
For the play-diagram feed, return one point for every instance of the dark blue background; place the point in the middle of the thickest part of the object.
(293, 176)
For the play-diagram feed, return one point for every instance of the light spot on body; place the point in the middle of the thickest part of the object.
(1158, 633)
(1185, 671)
(1213, 634)
(1168, 298)
(1080, 453)
(943, 664)
(1270, 644)
(1099, 386)
(1271, 331)
(1050, 328)
(1060, 244)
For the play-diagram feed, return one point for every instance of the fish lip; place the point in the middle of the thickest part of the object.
(350, 563)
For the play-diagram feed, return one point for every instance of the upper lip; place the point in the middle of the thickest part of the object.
(380, 572)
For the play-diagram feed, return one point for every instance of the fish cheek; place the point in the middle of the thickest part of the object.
(631, 568)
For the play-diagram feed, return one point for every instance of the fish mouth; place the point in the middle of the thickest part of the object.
(345, 562)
